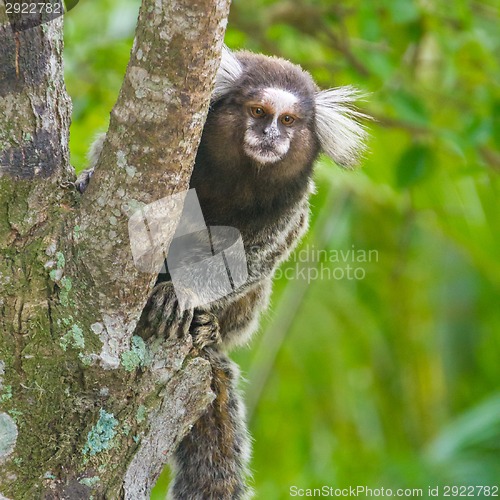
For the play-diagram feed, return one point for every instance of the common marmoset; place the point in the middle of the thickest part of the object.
(266, 125)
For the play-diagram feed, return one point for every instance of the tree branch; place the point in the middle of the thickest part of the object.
(69, 287)
(151, 144)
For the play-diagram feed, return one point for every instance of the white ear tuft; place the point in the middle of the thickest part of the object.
(340, 135)
(230, 70)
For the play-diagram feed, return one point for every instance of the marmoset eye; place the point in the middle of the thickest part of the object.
(257, 112)
(287, 120)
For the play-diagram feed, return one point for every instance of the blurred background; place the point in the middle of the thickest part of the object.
(379, 361)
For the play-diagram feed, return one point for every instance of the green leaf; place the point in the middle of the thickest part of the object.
(402, 11)
(413, 166)
(409, 106)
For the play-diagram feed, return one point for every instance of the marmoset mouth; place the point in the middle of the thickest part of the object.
(263, 154)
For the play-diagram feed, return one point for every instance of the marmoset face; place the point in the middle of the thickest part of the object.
(273, 116)
(271, 111)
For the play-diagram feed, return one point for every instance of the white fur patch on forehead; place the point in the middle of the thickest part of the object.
(279, 100)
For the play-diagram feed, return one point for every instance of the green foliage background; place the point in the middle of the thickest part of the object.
(391, 380)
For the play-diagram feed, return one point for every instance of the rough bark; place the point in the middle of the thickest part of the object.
(86, 408)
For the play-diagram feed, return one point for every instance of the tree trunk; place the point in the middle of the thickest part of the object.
(86, 408)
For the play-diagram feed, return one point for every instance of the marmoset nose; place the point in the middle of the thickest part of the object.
(272, 132)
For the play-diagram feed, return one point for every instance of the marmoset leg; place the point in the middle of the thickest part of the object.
(238, 320)
(210, 463)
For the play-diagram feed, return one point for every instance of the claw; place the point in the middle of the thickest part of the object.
(205, 329)
(187, 318)
(170, 320)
